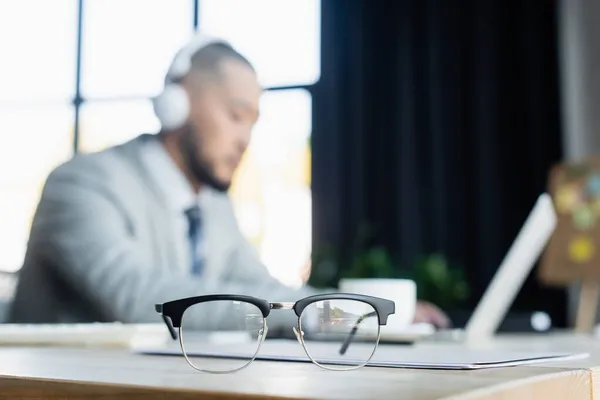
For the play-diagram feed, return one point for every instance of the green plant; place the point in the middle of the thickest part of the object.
(374, 262)
(437, 280)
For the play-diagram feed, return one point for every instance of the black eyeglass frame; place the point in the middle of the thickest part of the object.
(172, 311)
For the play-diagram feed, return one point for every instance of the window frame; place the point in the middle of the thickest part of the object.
(79, 100)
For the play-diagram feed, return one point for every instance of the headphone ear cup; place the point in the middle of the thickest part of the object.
(172, 107)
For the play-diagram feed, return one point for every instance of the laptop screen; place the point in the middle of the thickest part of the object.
(513, 271)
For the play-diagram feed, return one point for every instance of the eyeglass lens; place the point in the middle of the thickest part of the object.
(238, 322)
(340, 334)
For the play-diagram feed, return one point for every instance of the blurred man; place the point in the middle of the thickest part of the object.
(150, 221)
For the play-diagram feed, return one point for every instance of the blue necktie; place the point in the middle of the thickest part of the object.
(195, 237)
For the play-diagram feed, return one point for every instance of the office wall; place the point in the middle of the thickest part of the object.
(579, 49)
(580, 73)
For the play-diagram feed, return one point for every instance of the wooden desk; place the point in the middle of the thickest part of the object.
(575, 342)
(65, 373)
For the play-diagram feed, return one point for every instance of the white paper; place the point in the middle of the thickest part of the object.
(429, 357)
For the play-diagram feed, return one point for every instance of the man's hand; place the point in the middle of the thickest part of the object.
(427, 312)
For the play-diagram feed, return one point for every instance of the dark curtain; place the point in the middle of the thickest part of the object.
(436, 121)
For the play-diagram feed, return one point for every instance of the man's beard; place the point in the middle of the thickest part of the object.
(198, 167)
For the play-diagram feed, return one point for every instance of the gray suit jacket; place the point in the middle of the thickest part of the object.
(102, 249)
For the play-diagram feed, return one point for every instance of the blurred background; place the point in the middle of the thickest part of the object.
(395, 138)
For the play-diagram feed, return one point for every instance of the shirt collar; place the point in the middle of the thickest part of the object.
(168, 177)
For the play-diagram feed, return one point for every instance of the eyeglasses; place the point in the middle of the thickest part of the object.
(339, 319)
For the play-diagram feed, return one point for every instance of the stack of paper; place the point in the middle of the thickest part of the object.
(430, 357)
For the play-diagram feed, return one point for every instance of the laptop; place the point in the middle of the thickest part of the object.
(510, 276)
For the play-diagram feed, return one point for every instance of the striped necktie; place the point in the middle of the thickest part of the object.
(195, 237)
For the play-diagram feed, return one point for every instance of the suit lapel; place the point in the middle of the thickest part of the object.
(159, 213)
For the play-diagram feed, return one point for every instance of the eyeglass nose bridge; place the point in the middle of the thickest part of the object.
(286, 305)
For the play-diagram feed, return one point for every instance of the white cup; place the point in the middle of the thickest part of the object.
(403, 292)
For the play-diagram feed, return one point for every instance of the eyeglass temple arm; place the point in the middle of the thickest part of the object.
(350, 336)
(168, 322)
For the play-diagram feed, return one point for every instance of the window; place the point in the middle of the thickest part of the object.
(271, 191)
(127, 45)
(280, 37)
(81, 80)
(37, 81)
(105, 124)
(38, 50)
(37, 140)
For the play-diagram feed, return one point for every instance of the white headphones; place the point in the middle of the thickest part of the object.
(172, 105)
